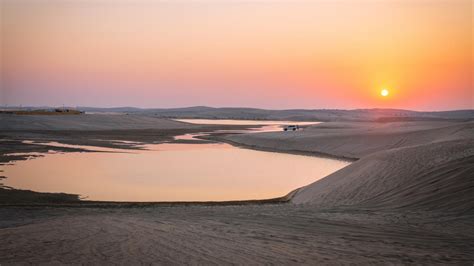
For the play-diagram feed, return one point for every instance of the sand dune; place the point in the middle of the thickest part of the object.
(436, 176)
(87, 122)
(356, 140)
(416, 165)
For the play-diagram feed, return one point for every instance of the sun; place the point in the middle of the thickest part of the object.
(384, 92)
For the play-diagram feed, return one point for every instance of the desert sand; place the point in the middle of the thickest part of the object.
(85, 122)
(408, 198)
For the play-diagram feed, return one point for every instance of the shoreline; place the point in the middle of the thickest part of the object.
(294, 152)
(168, 137)
(54, 198)
(131, 204)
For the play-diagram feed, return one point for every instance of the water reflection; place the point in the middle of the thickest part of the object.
(244, 122)
(82, 147)
(261, 126)
(170, 172)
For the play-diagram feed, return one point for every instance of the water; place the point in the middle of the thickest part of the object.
(244, 122)
(169, 172)
(194, 136)
(260, 126)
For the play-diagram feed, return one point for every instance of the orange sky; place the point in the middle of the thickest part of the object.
(285, 54)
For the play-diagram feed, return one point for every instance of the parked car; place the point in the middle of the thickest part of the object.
(291, 128)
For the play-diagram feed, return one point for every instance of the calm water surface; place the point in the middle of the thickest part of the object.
(170, 172)
(260, 126)
(244, 122)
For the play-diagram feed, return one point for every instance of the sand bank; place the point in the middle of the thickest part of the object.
(357, 139)
(415, 165)
(408, 199)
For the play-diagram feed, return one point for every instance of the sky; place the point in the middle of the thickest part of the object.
(265, 54)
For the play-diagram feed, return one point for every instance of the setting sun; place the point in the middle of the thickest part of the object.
(132, 122)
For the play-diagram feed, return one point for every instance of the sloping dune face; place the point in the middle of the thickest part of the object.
(358, 139)
(432, 176)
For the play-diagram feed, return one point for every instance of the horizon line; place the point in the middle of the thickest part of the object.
(233, 107)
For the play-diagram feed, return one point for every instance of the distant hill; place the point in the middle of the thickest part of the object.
(292, 114)
(325, 115)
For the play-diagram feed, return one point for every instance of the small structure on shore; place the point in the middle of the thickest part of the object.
(67, 111)
(56, 111)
